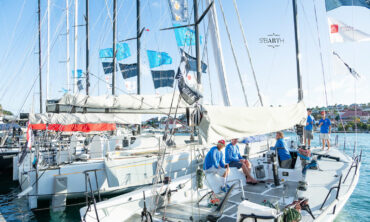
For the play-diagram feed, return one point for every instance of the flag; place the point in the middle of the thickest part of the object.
(185, 36)
(106, 53)
(163, 78)
(128, 70)
(107, 67)
(351, 70)
(333, 4)
(64, 90)
(29, 135)
(130, 86)
(122, 52)
(79, 85)
(158, 58)
(79, 74)
(179, 10)
(188, 94)
(192, 63)
(340, 32)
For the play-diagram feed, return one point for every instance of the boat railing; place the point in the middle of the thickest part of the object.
(256, 217)
(337, 194)
(355, 165)
(90, 195)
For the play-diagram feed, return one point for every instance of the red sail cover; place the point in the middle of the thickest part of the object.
(87, 127)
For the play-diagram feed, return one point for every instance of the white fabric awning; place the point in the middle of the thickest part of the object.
(80, 118)
(221, 122)
(149, 104)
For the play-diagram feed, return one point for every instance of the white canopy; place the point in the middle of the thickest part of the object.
(221, 122)
(155, 104)
(80, 118)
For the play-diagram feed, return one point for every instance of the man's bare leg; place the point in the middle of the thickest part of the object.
(247, 173)
(323, 144)
(328, 142)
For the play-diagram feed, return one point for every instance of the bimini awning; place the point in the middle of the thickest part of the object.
(70, 122)
(142, 104)
(221, 122)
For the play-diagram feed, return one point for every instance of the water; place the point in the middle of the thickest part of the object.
(356, 208)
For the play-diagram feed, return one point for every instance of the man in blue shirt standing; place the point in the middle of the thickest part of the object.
(308, 129)
(325, 130)
(234, 159)
(214, 162)
(283, 152)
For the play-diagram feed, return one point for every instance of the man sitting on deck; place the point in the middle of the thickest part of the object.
(283, 152)
(234, 159)
(214, 163)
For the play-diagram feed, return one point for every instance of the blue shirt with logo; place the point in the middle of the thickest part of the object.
(232, 153)
(284, 152)
(214, 158)
(310, 121)
(325, 125)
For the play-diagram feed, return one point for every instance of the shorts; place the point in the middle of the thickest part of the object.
(308, 134)
(235, 164)
(325, 136)
(220, 171)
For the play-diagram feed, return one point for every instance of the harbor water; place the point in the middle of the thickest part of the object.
(356, 209)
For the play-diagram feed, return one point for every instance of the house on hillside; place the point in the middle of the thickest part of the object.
(350, 115)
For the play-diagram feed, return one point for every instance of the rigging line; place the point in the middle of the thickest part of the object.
(249, 55)
(320, 50)
(13, 33)
(205, 52)
(234, 55)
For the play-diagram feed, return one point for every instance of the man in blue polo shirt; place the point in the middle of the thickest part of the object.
(214, 163)
(234, 159)
(283, 152)
(325, 130)
(308, 129)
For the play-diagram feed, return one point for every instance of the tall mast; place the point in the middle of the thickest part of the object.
(87, 47)
(40, 79)
(67, 26)
(75, 48)
(114, 48)
(299, 78)
(48, 53)
(197, 42)
(138, 44)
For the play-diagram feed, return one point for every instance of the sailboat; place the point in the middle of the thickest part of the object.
(301, 192)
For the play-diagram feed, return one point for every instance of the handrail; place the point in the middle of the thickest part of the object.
(331, 189)
(354, 164)
(255, 217)
(88, 181)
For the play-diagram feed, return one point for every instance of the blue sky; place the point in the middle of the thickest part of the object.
(275, 67)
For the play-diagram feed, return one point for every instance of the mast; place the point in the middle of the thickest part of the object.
(67, 24)
(75, 48)
(114, 48)
(40, 71)
(87, 47)
(197, 42)
(48, 53)
(299, 78)
(138, 44)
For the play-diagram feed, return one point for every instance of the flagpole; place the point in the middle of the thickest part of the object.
(67, 26)
(197, 42)
(299, 78)
(87, 47)
(75, 48)
(138, 44)
(114, 48)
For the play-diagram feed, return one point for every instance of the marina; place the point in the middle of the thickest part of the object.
(184, 110)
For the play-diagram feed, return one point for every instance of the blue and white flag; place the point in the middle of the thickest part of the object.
(108, 67)
(122, 52)
(179, 10)
(79, 85)
(79, 74)
(158, 58)
(192, 63)
(333, 4)
(128, 70)
(163, 78)
(185, 36)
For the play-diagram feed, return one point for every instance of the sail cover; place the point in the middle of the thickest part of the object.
(221, 122)
(149, 104)
(81, 122)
